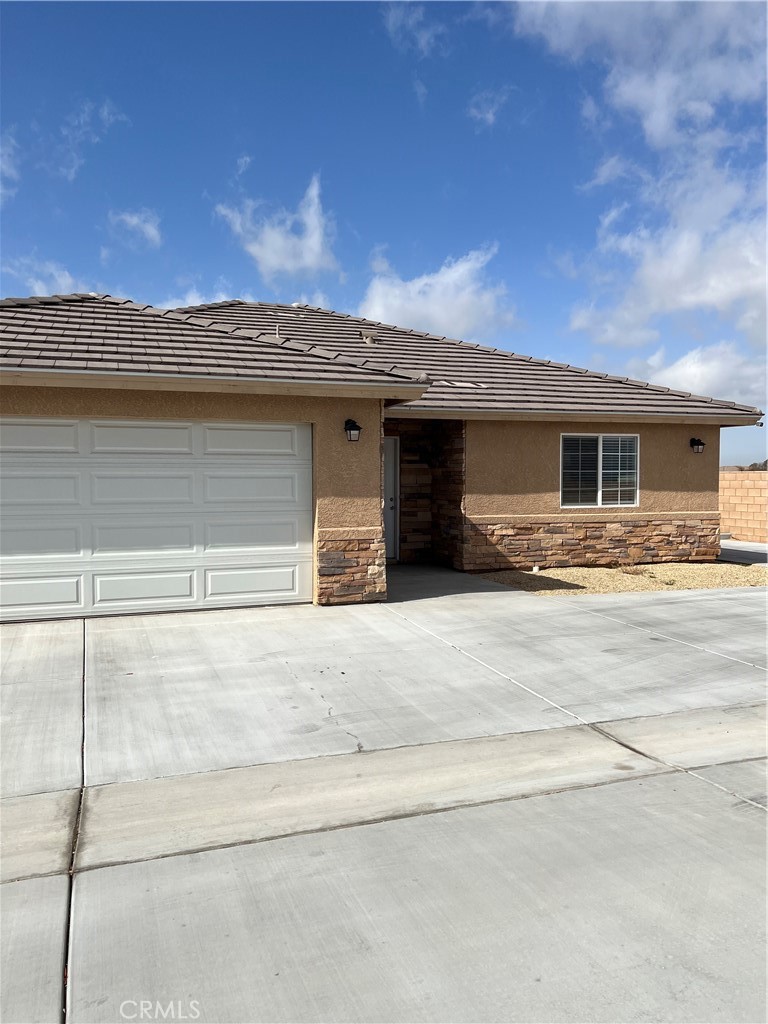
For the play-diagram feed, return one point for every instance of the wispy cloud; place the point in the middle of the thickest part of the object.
(43, 277)
(719, 370)
(87, 125)
(670, 64)
(421, 92)
(485, 106)
(243, 163)
(137, 225)
(288, 242)
(190, 294)
(611, 169)
(10, 172)
(410, 29)
(317, 298)
(457, 300)
(688, 241)
(707, 256)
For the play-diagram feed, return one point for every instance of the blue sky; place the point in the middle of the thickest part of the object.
(580, 182)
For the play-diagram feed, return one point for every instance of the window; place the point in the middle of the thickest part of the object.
(599, 469)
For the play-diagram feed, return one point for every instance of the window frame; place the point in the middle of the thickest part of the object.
(599, 504)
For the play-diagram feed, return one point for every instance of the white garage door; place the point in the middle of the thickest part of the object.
(99, 517)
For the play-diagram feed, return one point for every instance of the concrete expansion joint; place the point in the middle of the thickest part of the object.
(76, 832)
(676, 767)
(422, 812)
(676, 640)
(582, 721)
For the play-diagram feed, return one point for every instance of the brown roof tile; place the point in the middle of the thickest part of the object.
(468, 377)
(98, 333)
(79, 332)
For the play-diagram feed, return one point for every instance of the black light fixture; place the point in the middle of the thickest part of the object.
(352, 429)
(697, 444)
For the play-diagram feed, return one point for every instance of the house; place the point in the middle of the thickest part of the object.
(252, 453)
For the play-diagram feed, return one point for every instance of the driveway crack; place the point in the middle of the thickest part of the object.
(333, 718)
(329, 706)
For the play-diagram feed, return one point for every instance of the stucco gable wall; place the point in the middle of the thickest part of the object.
(513, 468)
(513, 517)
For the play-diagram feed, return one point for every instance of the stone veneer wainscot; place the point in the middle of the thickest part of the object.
(351, 566)
(517, 544)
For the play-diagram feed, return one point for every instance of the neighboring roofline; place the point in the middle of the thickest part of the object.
(216, 327)
(24, 376)
(644, 385)
(721, 419)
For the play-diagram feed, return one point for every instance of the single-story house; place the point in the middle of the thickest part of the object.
(248, 453)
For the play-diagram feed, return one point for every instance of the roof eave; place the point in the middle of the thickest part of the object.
(718, 416)
(398, 390)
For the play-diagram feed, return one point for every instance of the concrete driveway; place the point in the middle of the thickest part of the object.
(467, 804)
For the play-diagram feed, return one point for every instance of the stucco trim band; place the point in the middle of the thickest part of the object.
(595, 515)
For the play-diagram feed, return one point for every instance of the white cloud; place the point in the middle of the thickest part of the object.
(717, 371)
(485, 106)
(88, 124)
(457, 300)
(193, 297)
(299, 242)
(611, 169)
(10, 173)
(243, 163)
(189, 293)
(671, 64)
(317, 298)
(108, 114)
(409, 29)
(138, 224)
(590, 111)
(707, 256)
(44, 277)
(689, 239)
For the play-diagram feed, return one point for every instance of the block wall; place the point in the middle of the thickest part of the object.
(744, 505)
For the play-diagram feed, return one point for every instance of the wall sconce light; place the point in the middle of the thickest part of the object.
(352, 430)
(697, 444)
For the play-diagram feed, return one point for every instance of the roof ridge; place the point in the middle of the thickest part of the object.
(266, 339)
(50, 300)
(517, 356)
(330, 355)
(209, 305)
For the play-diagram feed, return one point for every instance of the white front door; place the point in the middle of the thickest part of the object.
(104, 516)
(392, 496)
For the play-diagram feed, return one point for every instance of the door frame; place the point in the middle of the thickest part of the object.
(392, 444)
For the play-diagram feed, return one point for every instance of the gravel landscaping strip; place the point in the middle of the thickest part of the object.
(666, 576)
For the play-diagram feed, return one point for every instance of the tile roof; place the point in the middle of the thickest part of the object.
(88, 333)
(469, 377)
(98, 333)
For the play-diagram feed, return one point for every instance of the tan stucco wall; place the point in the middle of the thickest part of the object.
(513, 468)
(347, 476)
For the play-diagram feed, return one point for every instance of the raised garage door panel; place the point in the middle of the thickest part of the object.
(101, 517)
